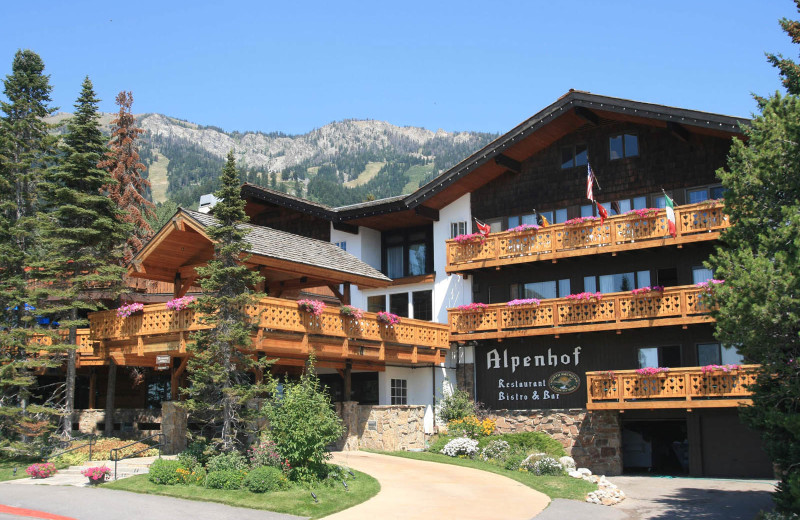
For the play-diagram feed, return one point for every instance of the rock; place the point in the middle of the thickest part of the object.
(584, 471)
(575, 474)
(567, 462)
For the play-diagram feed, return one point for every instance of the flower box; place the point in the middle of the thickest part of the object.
(179, 304)
(473, 307)
(585, 297)
(388, 318)
(656, 290)
(524, 301)
(125, 311)
(314, 307)
(351, 312)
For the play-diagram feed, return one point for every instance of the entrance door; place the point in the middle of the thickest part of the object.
(659, 447)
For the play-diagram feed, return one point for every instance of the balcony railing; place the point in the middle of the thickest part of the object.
(614, 311)
(679, 388)
(270, 315)
(694, 222)
(81, 339)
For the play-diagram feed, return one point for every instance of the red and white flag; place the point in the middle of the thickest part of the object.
(603, 213)
(670, 207)
(483, 228)
(589, 182)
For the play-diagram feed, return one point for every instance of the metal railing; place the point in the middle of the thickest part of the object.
(91, 441)
(115, 452)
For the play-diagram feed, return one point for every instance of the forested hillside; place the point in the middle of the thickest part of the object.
(342, 163)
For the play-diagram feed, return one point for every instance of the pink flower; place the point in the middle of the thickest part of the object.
(353, 312)
(473, 307)
(388, 318)
(651, 371)
(580, 220)
(524, 227)
(525, 301)
(463, 239)
(314, 307)
(588, 296)
(178, 304)
(126, 310)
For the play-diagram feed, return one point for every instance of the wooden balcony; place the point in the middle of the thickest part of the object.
(280, 328)
(694, 223)
(682, 305)
(686, 388)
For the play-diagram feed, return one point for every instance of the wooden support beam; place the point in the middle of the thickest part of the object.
(336, 292)
(186, 285)
(587, 115)
(679, 131)
(188, 271)
(347, 228)
(177, 223)
(137, 266)
(345, 347)
(348, 381)
(346, 294)
(508, 163)
(176, 285)
(426, 212)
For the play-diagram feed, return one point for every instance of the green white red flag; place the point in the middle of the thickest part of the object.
(670, 207)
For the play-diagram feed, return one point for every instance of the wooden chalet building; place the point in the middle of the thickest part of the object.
(556, 362)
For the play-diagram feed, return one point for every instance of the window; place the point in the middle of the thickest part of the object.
(697, 195)
(376, 303)
(408, 252)
(660, 357)
(561, 215)
(717, 192)
(157, 389)
(587, 210)
(399, 391)
(625, 145)
(576, 155)
(342, 245)
(541, 290)
(701, 274)
(667, 277)
(619, 282)
(716, 354)
(458, 228)
(422, 301)
(398, 304)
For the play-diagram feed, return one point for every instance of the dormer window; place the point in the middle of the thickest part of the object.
(575, 155)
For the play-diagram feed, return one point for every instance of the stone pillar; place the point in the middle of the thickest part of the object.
(174, 422)
(349, 441)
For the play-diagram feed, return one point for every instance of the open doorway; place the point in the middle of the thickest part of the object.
(658, 447)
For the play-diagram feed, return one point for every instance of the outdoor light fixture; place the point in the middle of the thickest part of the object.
(314, 497)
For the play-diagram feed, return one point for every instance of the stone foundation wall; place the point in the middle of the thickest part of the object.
(389, 427)
(594, 439)
(133, 422)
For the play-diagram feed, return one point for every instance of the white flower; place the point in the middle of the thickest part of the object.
(461, 446)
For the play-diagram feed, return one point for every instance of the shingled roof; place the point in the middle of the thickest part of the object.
(280, 245)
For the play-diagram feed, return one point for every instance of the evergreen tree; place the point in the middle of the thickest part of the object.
(26, 150)
(759, 259)
(81, 234)
(788, 68)
(131, 187)
(219, 368)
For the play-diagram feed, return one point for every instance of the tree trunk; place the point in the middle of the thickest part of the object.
(72, 355)
(112, 384)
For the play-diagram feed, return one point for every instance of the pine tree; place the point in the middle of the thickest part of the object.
(81, 234)
(760, 262)
(130, 190)
(26, 150)
(788, 68)
(219, 368)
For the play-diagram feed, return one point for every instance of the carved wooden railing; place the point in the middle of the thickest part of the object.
(81, 339)
(271, 314)
(679, 388)
(701, 221)
(675, 306)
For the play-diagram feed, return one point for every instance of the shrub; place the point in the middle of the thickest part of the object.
(194, 476)
(44, 470)
(302, 425)
(513, 461)
(471, 427)
(265, 478)
(265, 453)
(73, 458)
(534, 442)
(225, 479)
(495, 450)
(165, 472)
(461, 446)
(456, 405)
(542, 465)
(231, 461)
(200, 451)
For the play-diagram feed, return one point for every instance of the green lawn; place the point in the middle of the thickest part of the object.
(295, 501)
(554, 487)
(7, 468)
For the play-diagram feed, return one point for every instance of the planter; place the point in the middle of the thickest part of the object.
(95, 482)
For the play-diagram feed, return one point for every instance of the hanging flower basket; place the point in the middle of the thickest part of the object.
(128, 310)
(179, 304)
(314, 307)
(473, 307)
(388, 318)
(351, 312)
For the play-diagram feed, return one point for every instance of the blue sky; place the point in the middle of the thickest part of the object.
(486, 66)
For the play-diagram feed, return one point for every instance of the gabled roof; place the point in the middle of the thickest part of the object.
(570, 112)
(182, 245)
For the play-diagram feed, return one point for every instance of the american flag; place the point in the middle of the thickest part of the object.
(589, 182)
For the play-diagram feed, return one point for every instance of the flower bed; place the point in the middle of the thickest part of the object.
(314, 307)
(388, 318)
(44, 470)
(585, 296)
(126, 310)
(473, 307)
(651, 371)
(351, 312)
(178, 304)
(647, 290)
(472, 237)
(524, 301)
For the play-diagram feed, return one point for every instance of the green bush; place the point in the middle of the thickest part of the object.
(73, 458)
(456, 405)
(302, 425)
(265, 478)
(513, 460)
(225, 479)
(231, 461)
(200, 451)
(534, 442)
(164, 472)
(438, 442)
